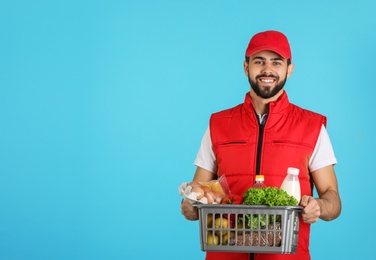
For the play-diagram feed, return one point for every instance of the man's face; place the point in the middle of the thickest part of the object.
(267, 73)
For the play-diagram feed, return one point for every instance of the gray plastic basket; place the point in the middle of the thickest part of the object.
(226, 228)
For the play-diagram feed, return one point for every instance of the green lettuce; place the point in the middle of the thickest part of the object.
(270, 196)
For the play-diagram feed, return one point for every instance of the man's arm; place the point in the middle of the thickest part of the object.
(187, 209)
(328, 205)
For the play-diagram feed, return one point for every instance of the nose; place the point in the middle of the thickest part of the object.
(267, 69)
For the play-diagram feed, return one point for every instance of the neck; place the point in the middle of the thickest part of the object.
(261, 105)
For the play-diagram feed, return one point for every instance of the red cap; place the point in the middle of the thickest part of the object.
(269, 41)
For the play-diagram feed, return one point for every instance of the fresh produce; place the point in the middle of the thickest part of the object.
(212, 239)
(209, 220)
(221, 223)
(259, 229)
(226, 237)
(232, 199)
(270, 196)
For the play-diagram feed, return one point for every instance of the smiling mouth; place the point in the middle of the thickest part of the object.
(267, 80)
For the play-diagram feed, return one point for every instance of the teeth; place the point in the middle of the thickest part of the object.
(267, 80)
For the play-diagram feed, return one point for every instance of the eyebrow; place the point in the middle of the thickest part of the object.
(263, 58)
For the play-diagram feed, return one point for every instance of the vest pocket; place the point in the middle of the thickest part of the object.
(235, 157)
(231, 143)
(291, 143)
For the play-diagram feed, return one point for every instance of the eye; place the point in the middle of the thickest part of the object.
(277, 63)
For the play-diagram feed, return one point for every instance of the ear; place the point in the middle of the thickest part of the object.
(246, 68)
(290, 69)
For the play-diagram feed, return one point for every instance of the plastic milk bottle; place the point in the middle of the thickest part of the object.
(291, 183)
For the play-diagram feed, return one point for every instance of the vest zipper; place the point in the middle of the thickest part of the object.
(259, 143)
(258, 156)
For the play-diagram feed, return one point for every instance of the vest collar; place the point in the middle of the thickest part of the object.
(278, 106)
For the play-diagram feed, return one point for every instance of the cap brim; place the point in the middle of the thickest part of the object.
(268, 48)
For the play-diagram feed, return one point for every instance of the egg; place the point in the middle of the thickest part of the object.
(200, 192)
(210, 196)
(218, 196)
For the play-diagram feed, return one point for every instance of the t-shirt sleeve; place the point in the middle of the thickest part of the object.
(323, 154)
(205, 157)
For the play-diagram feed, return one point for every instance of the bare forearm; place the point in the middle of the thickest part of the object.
(330, 205)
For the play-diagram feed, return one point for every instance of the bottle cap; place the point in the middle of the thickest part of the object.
(293, 171)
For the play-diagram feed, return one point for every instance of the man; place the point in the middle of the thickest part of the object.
(265, 135)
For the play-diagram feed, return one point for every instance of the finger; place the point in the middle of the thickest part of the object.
(304, 201)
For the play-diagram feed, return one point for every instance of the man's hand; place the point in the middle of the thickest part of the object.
(312, 209)
(189, 212)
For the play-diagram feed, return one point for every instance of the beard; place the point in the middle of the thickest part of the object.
(268, 91)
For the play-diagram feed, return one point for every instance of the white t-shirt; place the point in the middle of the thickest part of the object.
(323, 154)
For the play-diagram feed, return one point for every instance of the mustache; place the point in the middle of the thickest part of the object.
(266, 75)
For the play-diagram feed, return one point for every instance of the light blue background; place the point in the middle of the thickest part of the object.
(103, 105)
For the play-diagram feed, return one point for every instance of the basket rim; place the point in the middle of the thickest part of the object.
(243, 206)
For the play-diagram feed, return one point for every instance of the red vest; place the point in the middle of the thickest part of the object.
(241, 146)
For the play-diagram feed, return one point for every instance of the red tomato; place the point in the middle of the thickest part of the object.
(233, 199)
